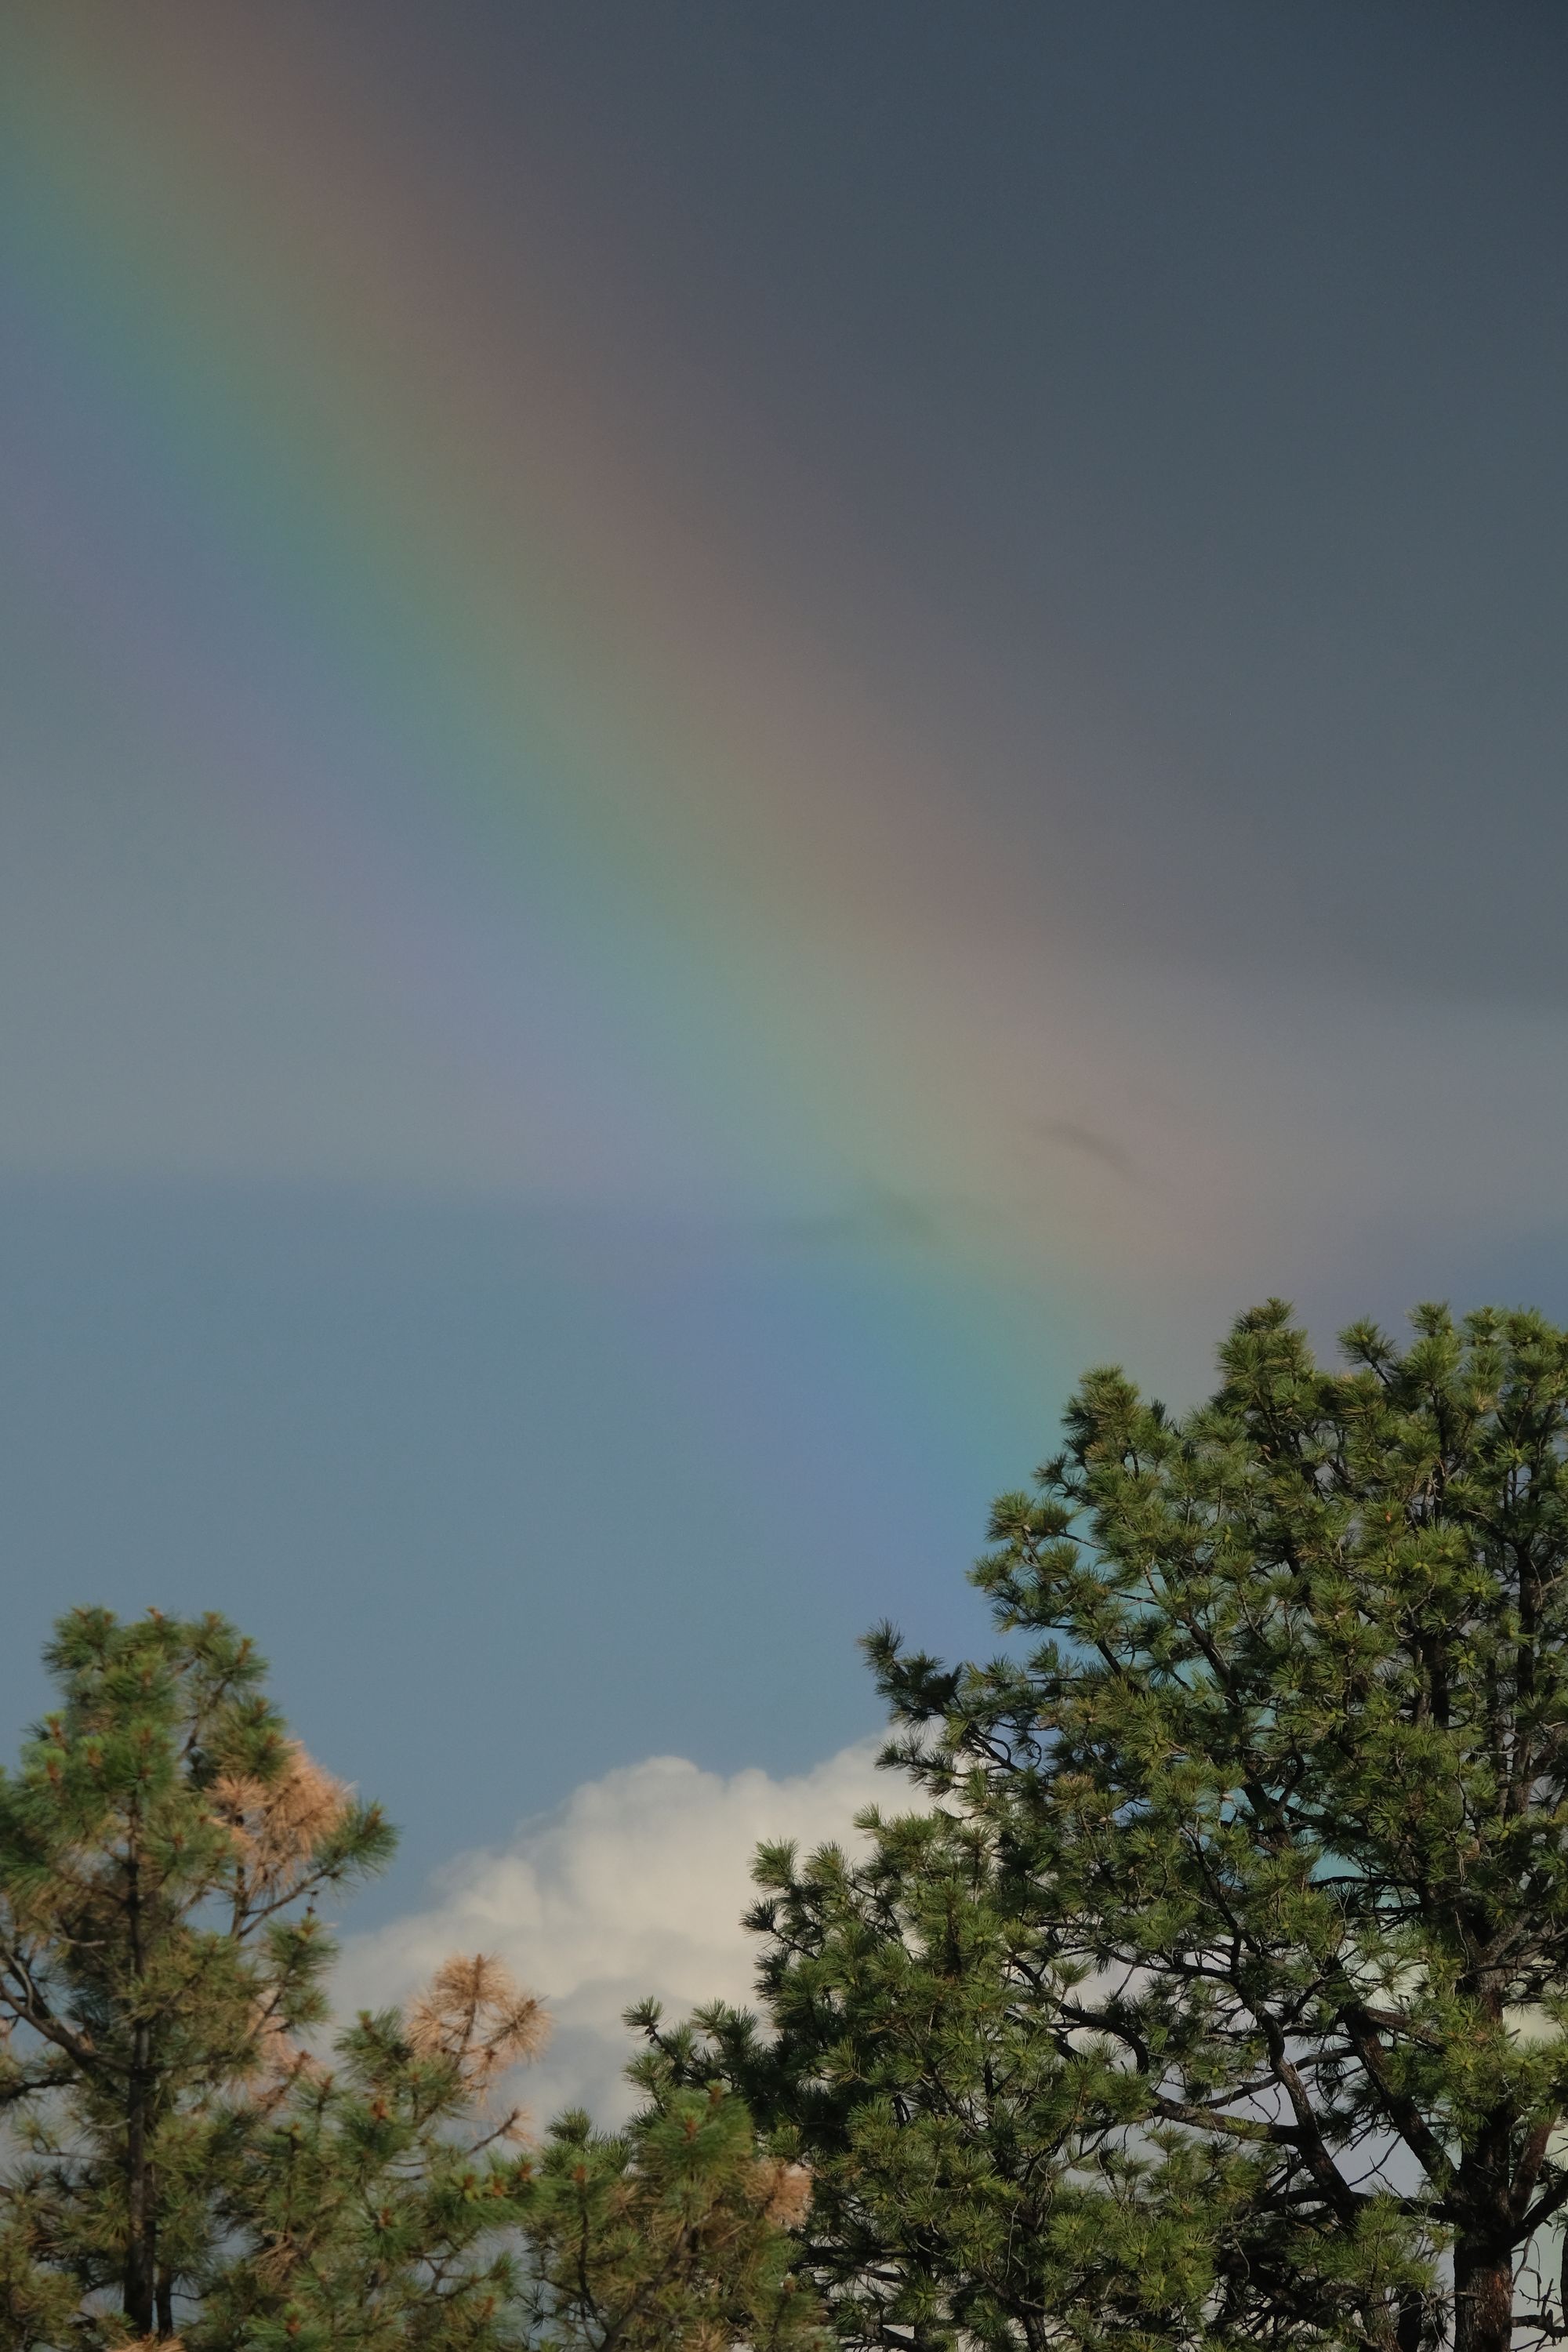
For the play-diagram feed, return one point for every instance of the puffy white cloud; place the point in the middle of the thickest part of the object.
(635, 1885)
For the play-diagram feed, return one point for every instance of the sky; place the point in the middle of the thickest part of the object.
(731, 733)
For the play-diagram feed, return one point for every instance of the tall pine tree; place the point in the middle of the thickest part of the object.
(189, 2153)
(1226, 1995)
(160, 1851)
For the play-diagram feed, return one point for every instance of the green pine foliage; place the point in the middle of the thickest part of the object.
(189, 2159)
(982, 2176)
(381, 2205)
(672, 2234)
(1223, 1997)
(160, 1849)
(385, 2209)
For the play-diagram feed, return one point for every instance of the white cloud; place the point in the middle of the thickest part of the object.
(635, 1885)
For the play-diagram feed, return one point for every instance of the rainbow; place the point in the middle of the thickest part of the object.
(520, 713)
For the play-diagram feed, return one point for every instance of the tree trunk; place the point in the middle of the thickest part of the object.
(140, 2206)
(1483, 2298)
(140, 2250)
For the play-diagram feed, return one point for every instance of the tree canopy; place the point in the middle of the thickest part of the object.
(1220, 1996)
(160, 1850)
(191, 2153)
(1211, 1993)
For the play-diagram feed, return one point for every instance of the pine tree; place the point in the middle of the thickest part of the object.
(983, 2175)
(382, 2203)
(673, 2235)
(160, 1851)
(388, 2208)
(191, 2155)
(1244, 1910)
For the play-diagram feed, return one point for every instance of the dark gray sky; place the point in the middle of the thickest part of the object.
(1192, 376)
